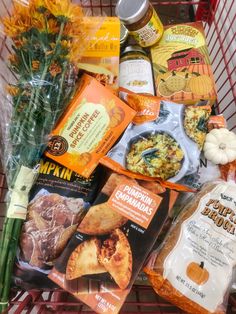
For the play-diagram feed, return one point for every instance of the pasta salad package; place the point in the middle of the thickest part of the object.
(166, 148)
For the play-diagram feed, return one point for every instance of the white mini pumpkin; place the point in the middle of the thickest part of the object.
(220, 146)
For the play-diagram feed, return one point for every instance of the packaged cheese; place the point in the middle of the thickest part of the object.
(90, 126)
(194, 267)
(107, 252)
(181, 65)
(101, 57)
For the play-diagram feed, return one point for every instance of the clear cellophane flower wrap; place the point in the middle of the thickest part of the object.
(47, 39)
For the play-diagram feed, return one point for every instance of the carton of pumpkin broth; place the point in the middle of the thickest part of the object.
(92, 123)
(181, 65)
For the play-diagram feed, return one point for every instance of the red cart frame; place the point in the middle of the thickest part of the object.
(219, 17)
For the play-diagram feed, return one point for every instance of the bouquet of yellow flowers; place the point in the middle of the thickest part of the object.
(48, 37)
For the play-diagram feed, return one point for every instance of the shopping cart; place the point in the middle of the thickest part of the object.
(219, 18)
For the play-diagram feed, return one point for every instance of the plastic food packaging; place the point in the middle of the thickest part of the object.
(105, 255)
(59, 200)
(194, 267)
(44, 41)
(166, 148)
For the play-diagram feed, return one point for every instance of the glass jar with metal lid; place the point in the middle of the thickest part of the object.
(141, 20)
(136, 71)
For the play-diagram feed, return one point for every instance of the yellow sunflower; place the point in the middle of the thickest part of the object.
(19, 22)
(13, 59)
(35, 65)
(38, 20)
(76, 50)
(64, 9)
(13, 90)
(37, 4)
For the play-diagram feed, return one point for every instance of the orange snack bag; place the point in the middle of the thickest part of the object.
(90, 126)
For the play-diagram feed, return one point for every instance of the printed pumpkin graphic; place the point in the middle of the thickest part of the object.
(117, 115)
(197, 273)
(200, 84)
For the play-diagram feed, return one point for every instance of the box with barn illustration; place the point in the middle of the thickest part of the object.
(181, 65)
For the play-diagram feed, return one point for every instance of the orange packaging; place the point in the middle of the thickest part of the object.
(147, 107)
(216, 122)
(181, 65)
(91, 125)
(101, 59)
(106, 253)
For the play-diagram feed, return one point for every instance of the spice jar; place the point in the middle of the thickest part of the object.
(136, 71)
(141, 20)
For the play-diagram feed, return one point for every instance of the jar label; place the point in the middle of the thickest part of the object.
(136, 76)
(205, 254)
(150, 33)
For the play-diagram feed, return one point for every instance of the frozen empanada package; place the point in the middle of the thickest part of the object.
(108, 249)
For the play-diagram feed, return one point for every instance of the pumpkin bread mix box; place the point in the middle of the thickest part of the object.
(106, 253)
(181, 65)
(90, 126)
(101, 59)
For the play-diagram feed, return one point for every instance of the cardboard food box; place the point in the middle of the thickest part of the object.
(105, 255)
(90, 126)
(102, 56)
(181, 65)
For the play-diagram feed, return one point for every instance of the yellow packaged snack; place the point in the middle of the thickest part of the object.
(101, 58)
(181, 64)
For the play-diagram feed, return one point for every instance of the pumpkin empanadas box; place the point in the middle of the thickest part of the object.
(90, 126)
(109, 248)
(181, 65)
(101, 57)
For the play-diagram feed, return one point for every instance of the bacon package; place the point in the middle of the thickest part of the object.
(59, 200)
(105, 255)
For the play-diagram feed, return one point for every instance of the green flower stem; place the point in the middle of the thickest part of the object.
(26, 154)
(12, 242)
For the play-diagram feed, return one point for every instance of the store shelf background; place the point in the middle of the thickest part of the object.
(220, 27)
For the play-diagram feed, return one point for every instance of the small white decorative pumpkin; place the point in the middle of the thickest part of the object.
(220, 146)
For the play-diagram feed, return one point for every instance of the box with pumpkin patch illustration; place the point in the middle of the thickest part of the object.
(181, 65)
(105, 255)
(90, 126)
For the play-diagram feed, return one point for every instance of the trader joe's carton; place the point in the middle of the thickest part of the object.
(91, 125)
(101, 58)
(181, 64)
(105, 255)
